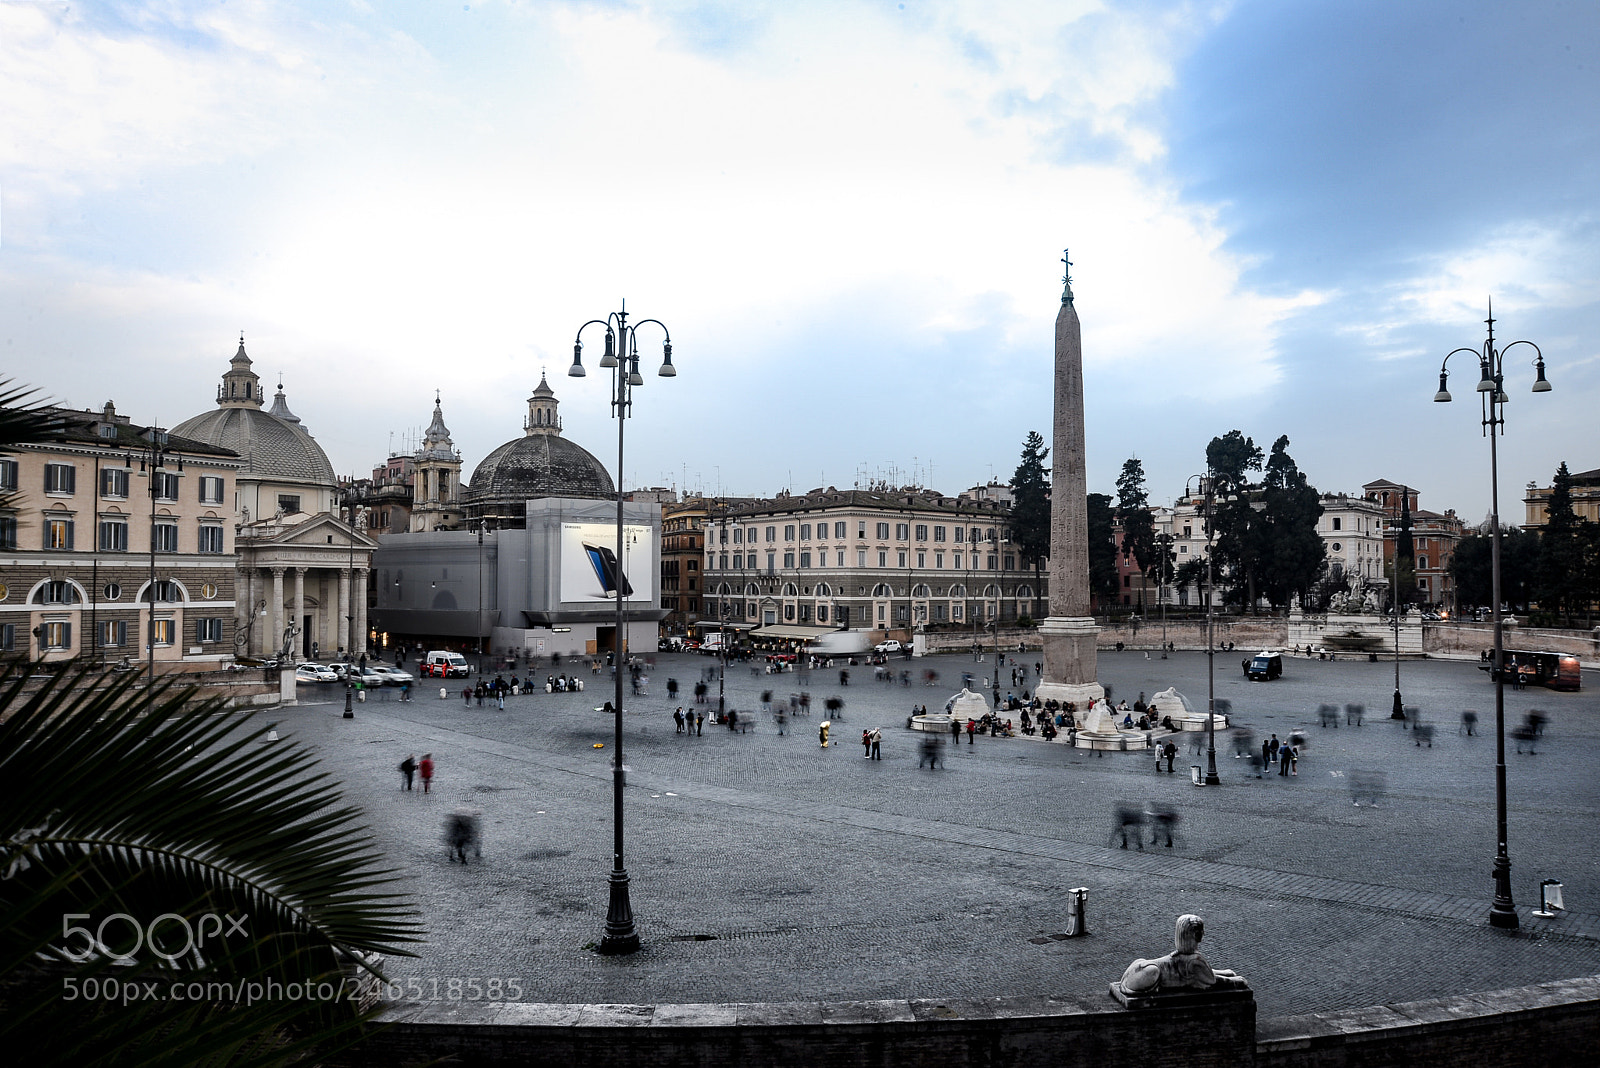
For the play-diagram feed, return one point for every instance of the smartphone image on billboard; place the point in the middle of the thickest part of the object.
(606, 569)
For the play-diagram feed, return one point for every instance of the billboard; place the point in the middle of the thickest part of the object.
(593, 571)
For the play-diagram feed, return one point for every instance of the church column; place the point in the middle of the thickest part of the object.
(274, 635)
(299, 609)
(360, 593)
(344, 611)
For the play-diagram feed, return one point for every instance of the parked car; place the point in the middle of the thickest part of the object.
(315, 673)
(890, 646)
(395, 676)
(369, 678)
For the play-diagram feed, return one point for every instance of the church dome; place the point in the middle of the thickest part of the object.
(541, 463)
(274, 445)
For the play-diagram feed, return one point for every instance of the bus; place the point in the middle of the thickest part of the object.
(1558, 671)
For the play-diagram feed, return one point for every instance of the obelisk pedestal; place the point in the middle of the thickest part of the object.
(1070, 631)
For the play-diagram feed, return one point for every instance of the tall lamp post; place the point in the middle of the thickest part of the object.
(622, 358)
(1492, 399)
(152, 465)
(1212, 778)
(1398, 711)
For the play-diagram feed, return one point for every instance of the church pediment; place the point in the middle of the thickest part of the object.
(322, 531)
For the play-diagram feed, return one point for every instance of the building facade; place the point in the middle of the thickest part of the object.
(1434, 537)
(890, 560)
(1585, 500)
(107, 552)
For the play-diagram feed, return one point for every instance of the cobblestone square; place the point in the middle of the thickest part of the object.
(767, 868)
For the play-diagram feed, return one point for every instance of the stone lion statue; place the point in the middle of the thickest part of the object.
(1182, 969)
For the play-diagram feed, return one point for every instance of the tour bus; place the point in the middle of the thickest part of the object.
(1558, 671)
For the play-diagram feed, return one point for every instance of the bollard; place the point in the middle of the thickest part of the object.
(1077, 906)
(1549, 899)
(1196, 776)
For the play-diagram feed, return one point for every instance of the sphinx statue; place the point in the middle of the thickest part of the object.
(1184, 969)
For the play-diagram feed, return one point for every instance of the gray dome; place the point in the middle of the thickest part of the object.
(539, 465)
(272, 449)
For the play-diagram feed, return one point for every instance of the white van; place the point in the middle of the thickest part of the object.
(442, 664)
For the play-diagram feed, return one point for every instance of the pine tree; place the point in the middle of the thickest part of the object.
(1030, 507)
(1102, 549)
(1237, 549)
(1293, 553)
(1133, 512)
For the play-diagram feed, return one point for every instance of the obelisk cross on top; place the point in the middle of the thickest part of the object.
(1066, 279)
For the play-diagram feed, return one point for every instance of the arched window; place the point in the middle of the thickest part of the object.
(881, 590)
(750, 590)
(991, 590)
(1024, 590)
(824, 590)
(724, 589)
(921, 590)
(57, 591)
(791, 590)
(958, 590)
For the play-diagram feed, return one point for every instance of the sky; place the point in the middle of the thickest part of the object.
(850, 216)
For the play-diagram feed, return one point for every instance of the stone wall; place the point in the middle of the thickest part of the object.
(1454, 638)
(1525, 1027)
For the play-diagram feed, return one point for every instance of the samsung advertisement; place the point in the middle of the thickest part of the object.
(593, 571)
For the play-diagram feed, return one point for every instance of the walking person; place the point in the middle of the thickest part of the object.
(1285, 754)
(700, 724)
(866, 743)
(677, 718)
(877, 742)
(408, 769)
(426, 767)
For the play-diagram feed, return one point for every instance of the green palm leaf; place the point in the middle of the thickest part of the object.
(137, 804)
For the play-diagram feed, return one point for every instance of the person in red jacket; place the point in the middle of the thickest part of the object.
(426, 768)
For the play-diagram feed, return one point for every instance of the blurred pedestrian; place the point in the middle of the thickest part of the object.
(822, 733)
(1129, 820)
(877, 743)
(460, 832)
(426, 768)
(1353, 714)
(1165, 820)
(408, 769)
(1469, 722)
(677, 718)
(866, 743)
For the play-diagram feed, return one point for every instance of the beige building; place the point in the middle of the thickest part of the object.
(1585, 500)
(104, 551)
(890, 560)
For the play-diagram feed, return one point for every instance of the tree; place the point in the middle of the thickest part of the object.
(1292, 553)
(1236, 551)
(1030, 507)
(1565, 580)
(1102, 549)
(1519, 560)
(1133, 512)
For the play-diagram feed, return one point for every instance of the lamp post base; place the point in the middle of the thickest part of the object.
(1398, 712)
(1503, 914)
(621, 936)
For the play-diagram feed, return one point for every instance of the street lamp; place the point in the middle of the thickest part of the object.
(622, 357)
(1212, 779)
(1492, 398)
(152, 464)
(1398, 711)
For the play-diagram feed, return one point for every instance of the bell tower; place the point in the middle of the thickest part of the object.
(436, 487)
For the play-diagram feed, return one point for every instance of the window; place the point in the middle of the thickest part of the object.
(8, 475)
(902, 613)
(900, 560)
(861, 528)
(114, 482)
(60, 478)
(880, 613)
(164, 484)
(805, 532)
(805, 613)
(210, 489)
(788, 532)
(57, 591)
(1127, 581)
(1010, 562)
(55, 635)
(165, 590)
(883, 558)
(722, 535)
(788, 559)
(822, 613)
(861, 558)
(162, 631)
(902, 531)
(772, 533)
(208, 630)
(694, 565)
(938, 613)
(724, 561)
(922, 559)
(113, 591)
(938, 561)
(1183, 549)
(738, 560)
(788, 611)
(1422, 563)
(922, 532)
(8, 532)
(938, 533)
(772, 561)
(1188, 531)
(805, 559)
(955, 612)
(210, 538)
(165, 536)
(1335, 522)
(958, 555)
(991, 561)
(883, 531)
(113, 535)
(8, 636)
(113, 632)
(738, 536)
(960, 533)
(1336, 547)
(58, 534)
(288, 503)
(838, 530)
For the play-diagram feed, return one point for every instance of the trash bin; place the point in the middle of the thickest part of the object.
(1077, 905)
(1196, 776)
(1550, 901)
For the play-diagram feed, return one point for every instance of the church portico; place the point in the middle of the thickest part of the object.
(322, 608)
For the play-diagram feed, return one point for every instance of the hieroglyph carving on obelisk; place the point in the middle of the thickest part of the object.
(1069, 632)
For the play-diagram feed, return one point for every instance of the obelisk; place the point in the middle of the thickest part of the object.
(1069, 632)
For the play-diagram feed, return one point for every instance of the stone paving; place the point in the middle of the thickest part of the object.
(766, 868)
